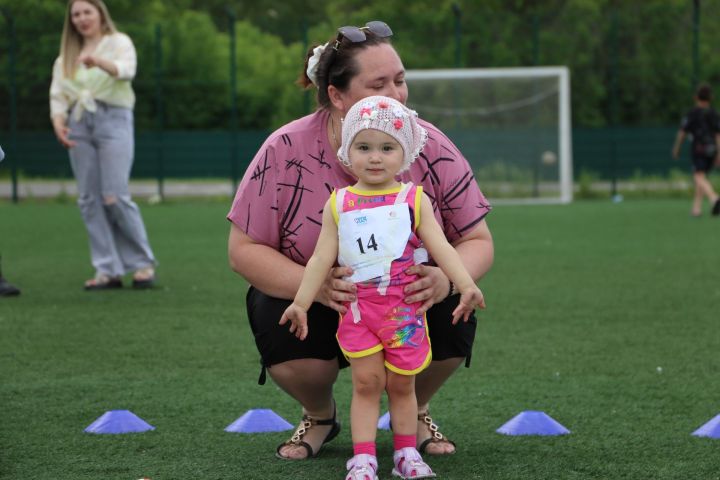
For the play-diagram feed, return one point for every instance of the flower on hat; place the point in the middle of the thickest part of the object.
(398, 124)
(383, 105)
(367, 113)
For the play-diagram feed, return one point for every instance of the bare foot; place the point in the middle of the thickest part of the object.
(314, 436)
(427, 430)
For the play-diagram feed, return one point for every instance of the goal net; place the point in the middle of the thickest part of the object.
(512, 124)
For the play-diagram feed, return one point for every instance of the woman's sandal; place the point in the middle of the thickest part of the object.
(306, 424)
(436, 435)
(103, 282)
(144, 278)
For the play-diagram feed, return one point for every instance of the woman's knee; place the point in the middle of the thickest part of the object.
(306, 372)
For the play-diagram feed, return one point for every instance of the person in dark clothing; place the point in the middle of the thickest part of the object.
(702, 123)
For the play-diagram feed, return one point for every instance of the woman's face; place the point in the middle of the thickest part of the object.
(381, 72)
(86, 19)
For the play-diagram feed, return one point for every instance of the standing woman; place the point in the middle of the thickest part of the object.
(91, 102)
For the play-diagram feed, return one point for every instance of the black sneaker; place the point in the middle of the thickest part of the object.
(8, 290)
(716, 208)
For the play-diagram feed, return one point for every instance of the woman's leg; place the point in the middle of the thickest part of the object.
(451, 346)
(305, 370)
(309, 381)
(86, 169)
(116, 148)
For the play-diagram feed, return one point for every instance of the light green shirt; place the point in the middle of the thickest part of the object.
(91, 84)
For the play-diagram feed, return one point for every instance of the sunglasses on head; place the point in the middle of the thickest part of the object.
(357, 34)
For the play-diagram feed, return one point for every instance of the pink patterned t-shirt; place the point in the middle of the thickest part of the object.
(280, 200)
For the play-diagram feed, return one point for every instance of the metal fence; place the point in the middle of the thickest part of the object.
(163, 151)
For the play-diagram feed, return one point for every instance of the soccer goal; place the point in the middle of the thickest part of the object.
(512, 124)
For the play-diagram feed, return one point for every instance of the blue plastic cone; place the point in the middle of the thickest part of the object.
(258, 421)
(384, 422)
(119, 421)
(532, 423)
(710, 429)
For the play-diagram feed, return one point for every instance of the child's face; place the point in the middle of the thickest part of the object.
(375, 158)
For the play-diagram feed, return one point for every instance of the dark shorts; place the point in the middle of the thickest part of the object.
(276, 344)
(703, 164)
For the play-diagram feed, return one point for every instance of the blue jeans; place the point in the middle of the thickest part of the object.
(101, 161)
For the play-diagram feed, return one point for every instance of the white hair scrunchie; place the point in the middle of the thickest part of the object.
(313, 63)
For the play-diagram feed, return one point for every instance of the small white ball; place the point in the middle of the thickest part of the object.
(549, 158)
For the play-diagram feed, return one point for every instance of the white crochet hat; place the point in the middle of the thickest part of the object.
(386, 115)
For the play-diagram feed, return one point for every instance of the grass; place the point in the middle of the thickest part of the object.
(602, 315)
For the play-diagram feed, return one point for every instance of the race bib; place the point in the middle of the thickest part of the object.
(370, 239)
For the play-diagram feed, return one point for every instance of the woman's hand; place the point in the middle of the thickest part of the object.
(62, 132)
(88, 60)
(432, 287)
(335, 290)
(93, 61)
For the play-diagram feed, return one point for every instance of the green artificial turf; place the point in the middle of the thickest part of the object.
(604, 316)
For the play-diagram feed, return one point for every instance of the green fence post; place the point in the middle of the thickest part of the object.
(537, 161)
(233, 99)
(458, 34)
(12, 150)
(160, 113)
(306, 45)
(696, 45)
(613, 103)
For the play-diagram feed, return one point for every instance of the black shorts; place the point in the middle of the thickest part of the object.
(703, 164)
(276, 344)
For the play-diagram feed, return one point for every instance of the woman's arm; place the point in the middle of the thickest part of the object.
(276, 275)
(59, 106)
(321, 262)
(124, 63)
(476, 252)
(316, 271)
(449, 261)
(440, 250)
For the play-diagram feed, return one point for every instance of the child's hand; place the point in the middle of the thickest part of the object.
(298, 321)
(470, 299)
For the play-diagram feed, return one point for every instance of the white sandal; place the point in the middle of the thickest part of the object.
(362, 467)
(409, 465)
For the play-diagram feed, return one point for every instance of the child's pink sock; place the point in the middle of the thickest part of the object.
(403, 441)
(367, 448)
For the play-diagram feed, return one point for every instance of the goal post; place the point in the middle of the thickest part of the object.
(512, 124)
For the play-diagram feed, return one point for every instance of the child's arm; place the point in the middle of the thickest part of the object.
(317, 268)
(448, 259)
(679, 139)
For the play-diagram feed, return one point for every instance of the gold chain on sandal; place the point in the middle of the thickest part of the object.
(436, 435)
(302, 429)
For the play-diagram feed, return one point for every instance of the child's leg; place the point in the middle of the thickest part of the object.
(703, 187)
(403, 413)
(368, 377)
(403, 403)
(697, 198)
